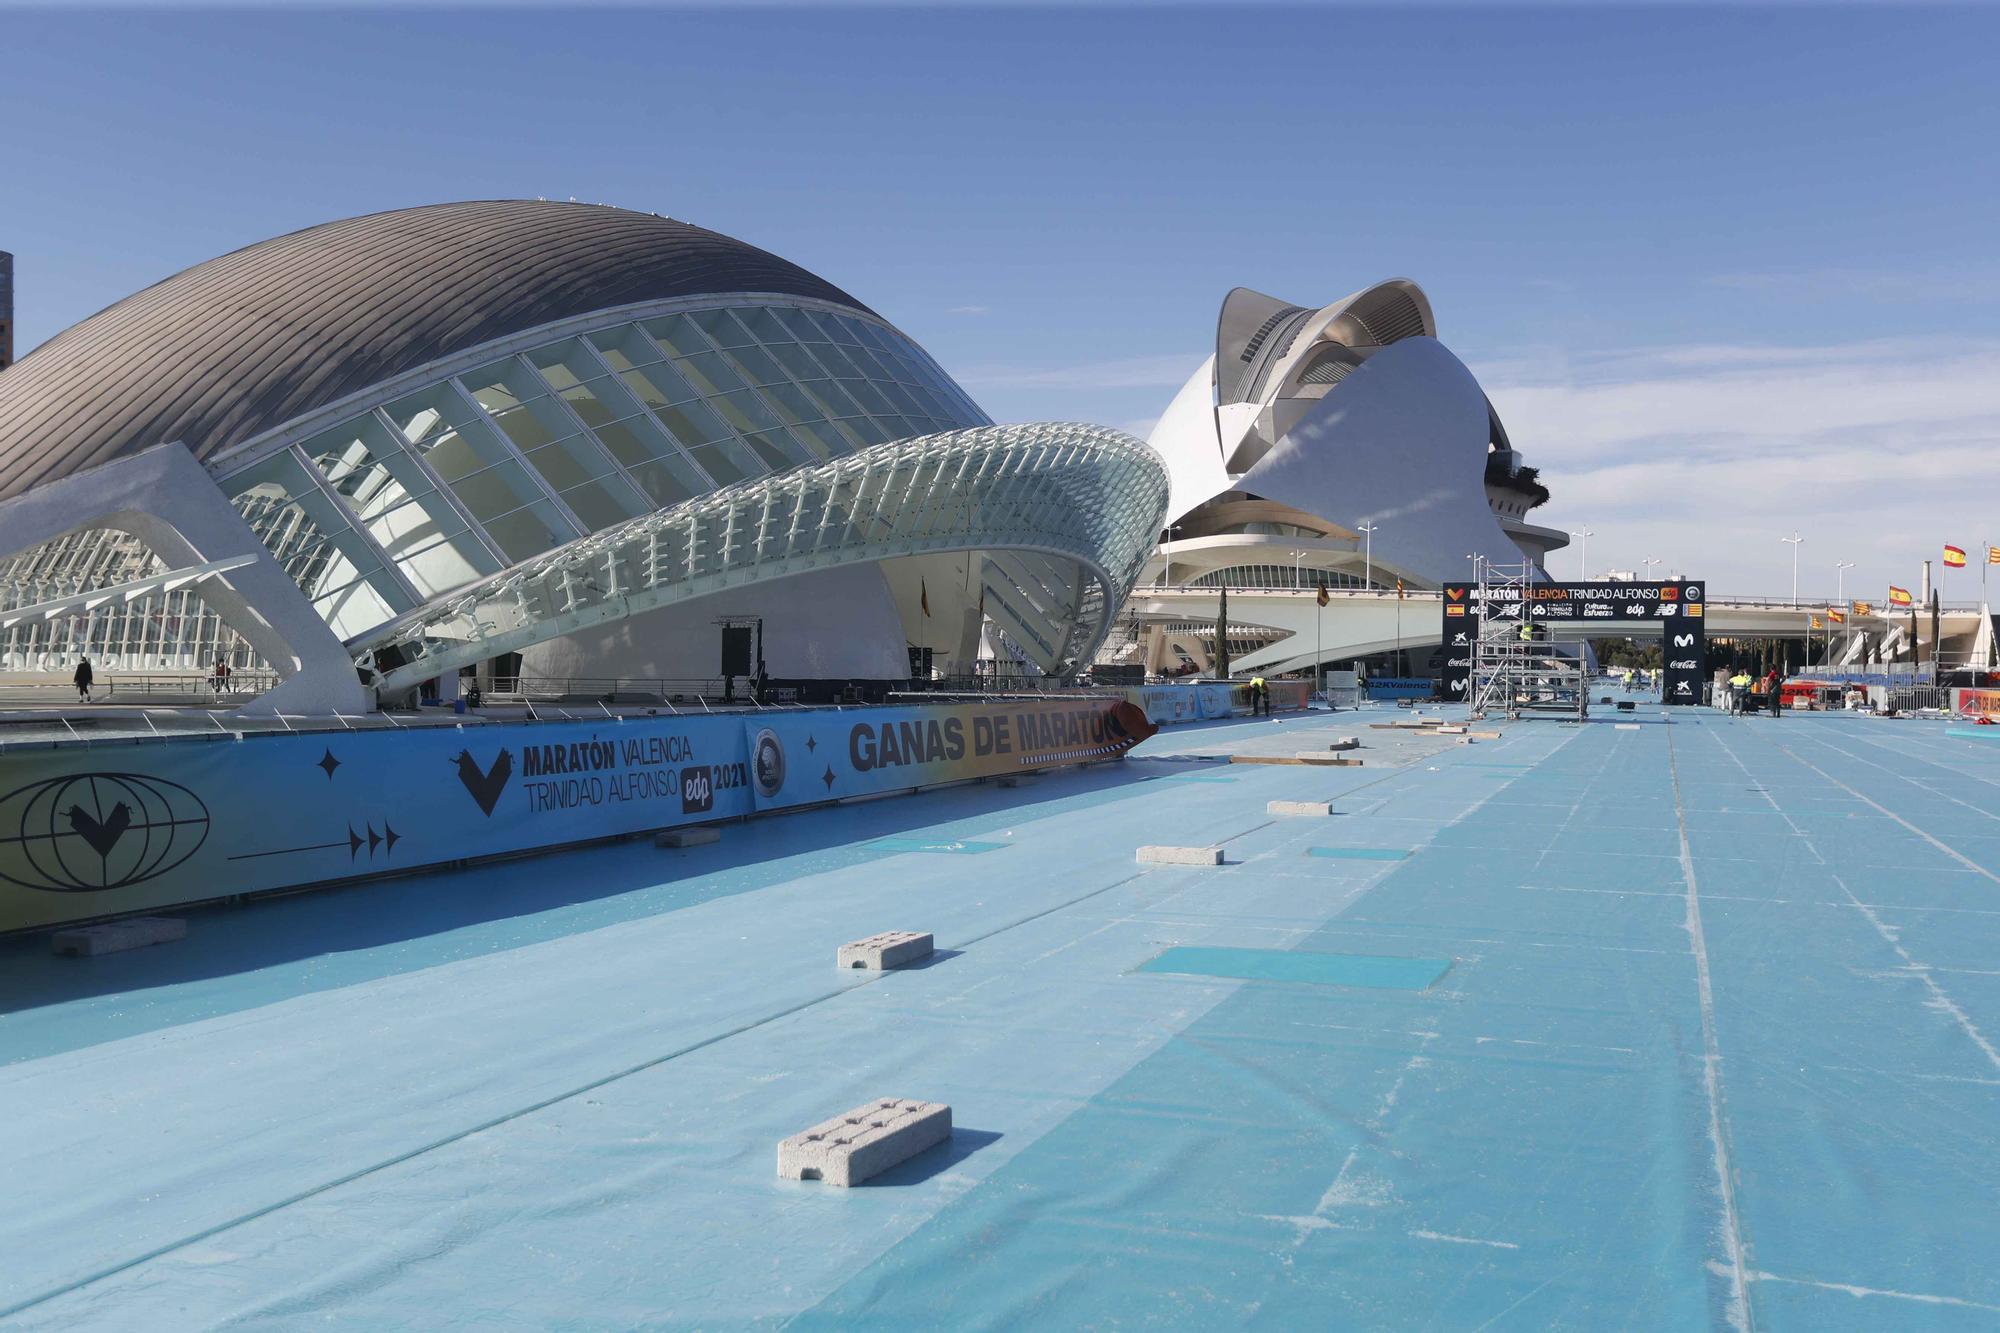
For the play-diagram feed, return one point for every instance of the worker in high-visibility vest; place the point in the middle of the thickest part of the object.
(1739, 687)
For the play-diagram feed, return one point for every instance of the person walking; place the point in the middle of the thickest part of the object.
(1774, 685)
(83, 679)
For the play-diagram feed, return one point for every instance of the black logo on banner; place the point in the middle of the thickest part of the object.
(697, 791)
(97, 831)
(485, 786)
(767, 762)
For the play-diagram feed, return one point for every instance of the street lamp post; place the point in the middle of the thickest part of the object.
(1297, 583)
(1367, 531)
(1794, 540)
(1649, 562)
(1840, 568)
(1583, 552)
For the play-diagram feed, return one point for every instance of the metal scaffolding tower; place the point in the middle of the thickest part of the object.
(1515, 669)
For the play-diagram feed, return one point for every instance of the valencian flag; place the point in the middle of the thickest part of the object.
(1323, 598)
(1816, 624)
(1899, 596)
(1954, 556)
(1864, 608)
(1399, 590)
(1993, 555)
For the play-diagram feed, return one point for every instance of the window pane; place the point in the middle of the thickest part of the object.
(567, 464)
(708, 372)
(531, 425)
(634, 441)
(659, 385)
(600, 504)
(797, 361)
(498, 490)
(587, 406)
(529, 531)
(777, 450)
(757, 365)
(725, 463)
(721, 328)
(866, 429)
(868, 396)
(625, 347)
(668, 481)
(822, 439)
(693, 423)
(744, 411)
(791, 403)
(676, 336)
(763, 324)
(832, 398)
(798, 324)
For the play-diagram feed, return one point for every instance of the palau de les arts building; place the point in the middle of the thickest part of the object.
(565, 441)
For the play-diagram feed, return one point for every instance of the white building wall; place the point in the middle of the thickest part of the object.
(831, 625)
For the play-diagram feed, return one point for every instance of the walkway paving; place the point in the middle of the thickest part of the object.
(1689, 1024)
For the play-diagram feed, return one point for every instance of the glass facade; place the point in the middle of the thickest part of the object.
(1064, 517)
(172, 631)
(504, 461)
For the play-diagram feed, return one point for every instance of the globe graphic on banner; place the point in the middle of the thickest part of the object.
(96, 831)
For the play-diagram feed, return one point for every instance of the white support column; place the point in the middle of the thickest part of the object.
(168, 501)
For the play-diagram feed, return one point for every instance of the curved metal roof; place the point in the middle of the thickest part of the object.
(232, 347)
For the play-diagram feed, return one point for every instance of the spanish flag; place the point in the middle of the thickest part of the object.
(1954, 556)
(1898, 596)
(1835, 616)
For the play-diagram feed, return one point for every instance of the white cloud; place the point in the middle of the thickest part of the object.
(1877, 451)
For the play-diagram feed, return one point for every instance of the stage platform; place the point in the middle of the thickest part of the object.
(1689, 1024)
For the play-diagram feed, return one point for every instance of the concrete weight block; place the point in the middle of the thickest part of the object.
(1180, 856)
(136, 932)
(1319, 808)
(867, 1141)
(891, 948)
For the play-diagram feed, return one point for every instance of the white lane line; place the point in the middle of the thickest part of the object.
(1711, 1060)
(1940, 1000)
(1963, 860)
(1859, 1292)
(1982, 812)
(1464, 1240)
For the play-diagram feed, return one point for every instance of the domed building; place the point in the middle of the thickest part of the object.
(566, 438)
(1339, 446)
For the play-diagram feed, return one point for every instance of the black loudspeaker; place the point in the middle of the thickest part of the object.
(736, 650)
(920, 662)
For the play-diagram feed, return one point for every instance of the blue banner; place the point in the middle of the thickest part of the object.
(92, 830)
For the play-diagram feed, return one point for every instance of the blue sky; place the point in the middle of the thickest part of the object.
(1726, 272)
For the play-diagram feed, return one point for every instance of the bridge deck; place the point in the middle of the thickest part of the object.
(1690, 1025)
